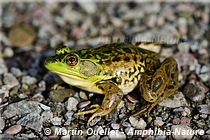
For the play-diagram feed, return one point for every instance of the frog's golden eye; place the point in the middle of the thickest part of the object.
(71, 60)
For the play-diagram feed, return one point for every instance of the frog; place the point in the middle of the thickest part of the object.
(115, 70)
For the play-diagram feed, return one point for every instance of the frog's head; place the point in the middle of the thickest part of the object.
(72, 68)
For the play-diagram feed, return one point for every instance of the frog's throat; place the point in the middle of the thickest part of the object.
(82, 83)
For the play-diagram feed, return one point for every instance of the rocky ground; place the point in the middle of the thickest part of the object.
(30, 32)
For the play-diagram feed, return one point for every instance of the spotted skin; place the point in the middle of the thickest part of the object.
(115, 70)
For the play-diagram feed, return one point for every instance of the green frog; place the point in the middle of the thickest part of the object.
(115, 70)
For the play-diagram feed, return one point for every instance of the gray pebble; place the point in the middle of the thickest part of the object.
(126, 124)
(158, 121)
(72, 104)
(10, 80)
(21, 108)
(56, 121)
(6, 137)
(47, 115)
(3, 67)
(89, 7)
(105, 138)
(115, 134)
(2, 123)
(182, 128)
(29, 80)
(16, 71)
(176, 100)
(69, 115)
(33, 121)
(44, 107)
(95, 121)
(138, 124)
(94, 137)
(115, 125)
(204, 108)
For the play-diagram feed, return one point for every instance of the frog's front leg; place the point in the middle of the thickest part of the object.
(162, 84)
(113, 96)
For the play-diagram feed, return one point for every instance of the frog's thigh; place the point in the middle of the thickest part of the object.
(113, 96)
(170, 71)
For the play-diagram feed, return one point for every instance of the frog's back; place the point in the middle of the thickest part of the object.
(122, 63)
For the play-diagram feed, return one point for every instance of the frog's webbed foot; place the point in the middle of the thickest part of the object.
(113, 96)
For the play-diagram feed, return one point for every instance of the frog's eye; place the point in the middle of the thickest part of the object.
(71, 60)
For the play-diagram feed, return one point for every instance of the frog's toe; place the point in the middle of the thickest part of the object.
(95, 106)
(98, 113)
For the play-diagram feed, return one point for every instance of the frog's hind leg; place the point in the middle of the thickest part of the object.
(163, 89)
(113, 96)
(162, 84)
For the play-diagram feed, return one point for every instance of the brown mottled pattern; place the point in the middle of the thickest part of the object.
(123, 62)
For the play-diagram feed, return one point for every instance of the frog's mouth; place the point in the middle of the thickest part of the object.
(79, 82)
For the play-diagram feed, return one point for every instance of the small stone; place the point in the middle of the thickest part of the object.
(10, 80)
(185, 59)
(29, 80)
(94, 137)
(105, 138)
(33, 121)
(83, 104)
(194, 92)
(42, 86)
(44, 106)
(15, 129)
(8, 52)
(176, 121)
(138, 124)
(3, 95)
(130, 106)
(22, 95)
(38, 97)
(61, 94)
(95, 121)
(176, 100)
(115, 126)
(204, 108)
(132, 98)
(56, 121)
(57, 108)
(72, 104)
(2, 123)
(47, 115)
(6, 137)
(120, 105)
(83, 95)
(181, 128)
(69, 115)
(114, 134)
(126, 124)
(185, 121)
(158, 121)
(3, 67)
(21, 108)
(89, 7)
(22, 35)
(184, 47)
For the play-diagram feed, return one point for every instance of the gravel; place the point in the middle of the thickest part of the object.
(29, 103)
